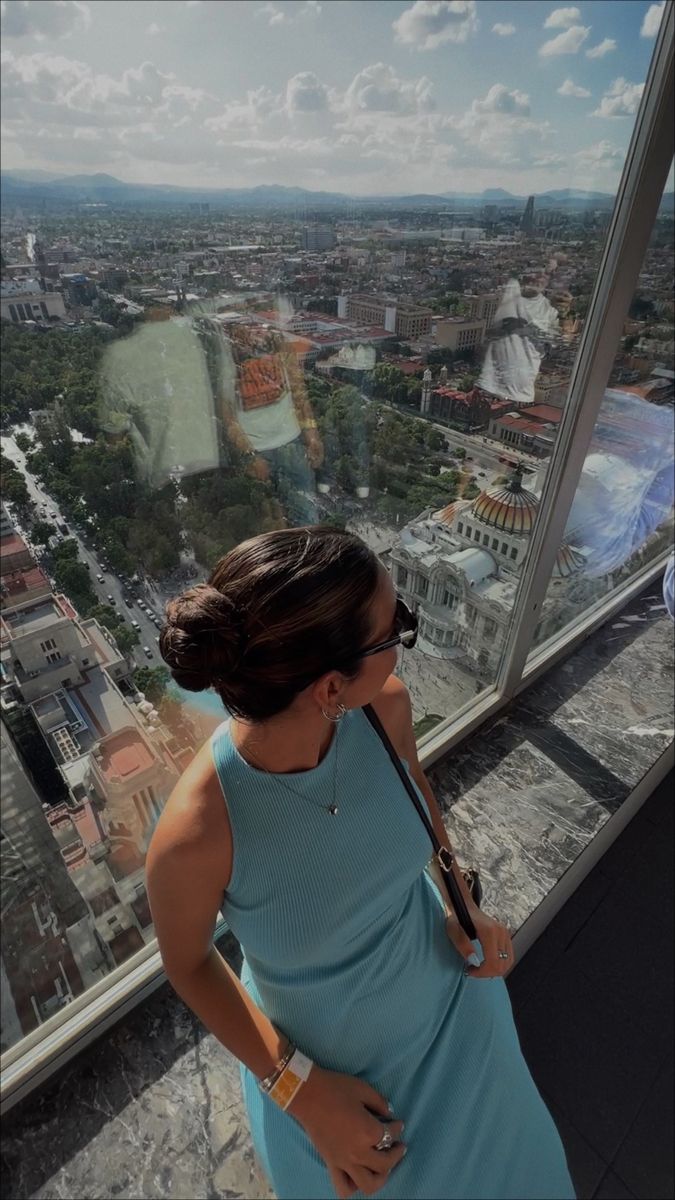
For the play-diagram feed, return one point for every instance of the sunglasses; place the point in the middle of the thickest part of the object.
(405, 624)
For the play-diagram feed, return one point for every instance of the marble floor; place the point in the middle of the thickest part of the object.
(154, 1109)
(525, 795)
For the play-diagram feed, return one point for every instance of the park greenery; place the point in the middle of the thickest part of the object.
(52, 379)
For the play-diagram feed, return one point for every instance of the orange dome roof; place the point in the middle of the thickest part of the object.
(447, 514)
(509, 508)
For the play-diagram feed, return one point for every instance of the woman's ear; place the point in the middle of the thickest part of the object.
(328, 689)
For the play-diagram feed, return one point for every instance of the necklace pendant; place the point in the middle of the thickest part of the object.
(333, 810)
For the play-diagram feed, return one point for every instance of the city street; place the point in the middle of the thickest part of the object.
(111, 585)
(485, 452)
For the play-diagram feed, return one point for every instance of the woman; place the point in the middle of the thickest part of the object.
(293, 822)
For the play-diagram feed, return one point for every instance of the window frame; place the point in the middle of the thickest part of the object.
(39, 1054)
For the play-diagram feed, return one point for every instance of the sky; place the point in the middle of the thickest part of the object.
(367, 97)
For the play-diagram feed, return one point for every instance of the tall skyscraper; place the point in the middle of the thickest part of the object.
(527, 222)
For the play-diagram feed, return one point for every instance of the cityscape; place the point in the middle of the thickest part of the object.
(184, 367)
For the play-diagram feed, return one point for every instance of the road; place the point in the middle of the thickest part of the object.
(485, 452)
(111, 585)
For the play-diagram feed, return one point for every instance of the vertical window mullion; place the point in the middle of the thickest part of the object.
(644, 175)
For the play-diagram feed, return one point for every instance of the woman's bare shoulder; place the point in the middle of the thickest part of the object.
(394, 709)
(194, 819)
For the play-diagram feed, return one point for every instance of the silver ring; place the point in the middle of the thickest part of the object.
(503, 954)
(385, 1142)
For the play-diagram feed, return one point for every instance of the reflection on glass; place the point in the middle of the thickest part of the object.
(200, 375)
(622, 515)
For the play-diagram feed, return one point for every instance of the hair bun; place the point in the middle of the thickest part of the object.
(203, 638)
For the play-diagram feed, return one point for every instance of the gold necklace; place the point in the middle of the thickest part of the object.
(330, 808)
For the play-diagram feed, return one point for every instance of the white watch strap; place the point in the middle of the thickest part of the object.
(300, 1065)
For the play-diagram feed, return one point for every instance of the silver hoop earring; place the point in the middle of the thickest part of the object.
(340, 714)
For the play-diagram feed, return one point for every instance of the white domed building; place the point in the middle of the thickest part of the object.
(458, 568)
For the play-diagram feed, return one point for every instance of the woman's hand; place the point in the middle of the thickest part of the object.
(339, 1114)
(493, 937)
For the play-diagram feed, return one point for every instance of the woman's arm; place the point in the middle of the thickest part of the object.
(188, 867)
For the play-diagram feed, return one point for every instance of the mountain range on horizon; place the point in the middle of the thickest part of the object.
(27, 185)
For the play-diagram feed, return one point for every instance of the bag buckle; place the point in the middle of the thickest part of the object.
(445, 858)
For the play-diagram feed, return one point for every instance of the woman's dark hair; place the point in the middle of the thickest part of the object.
(277, 612)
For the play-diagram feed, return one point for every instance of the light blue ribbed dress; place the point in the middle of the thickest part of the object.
(345, 950)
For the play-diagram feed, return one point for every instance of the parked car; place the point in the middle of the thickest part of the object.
(147, 652)
(111, 599)
(141, 605)
(100, 579)
(136, 626)
(128, 601)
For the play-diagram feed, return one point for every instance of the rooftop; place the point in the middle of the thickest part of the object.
(12, 543)
(124, 754)
(38, 616)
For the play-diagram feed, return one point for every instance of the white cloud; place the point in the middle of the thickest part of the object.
(153, 29)
(431, 23)
(305, 93)
(503, 28)
(568, 42)
(600, 152)
(43, 19)
(595, 167)
(621, 99)
(568, 88)
(281, 16)
(50, 90)
(378, 89)
(259, 104)
(652, 20)
(562, 18)
(500, 100)
(499, 132)
(276, 16)
(604, 47)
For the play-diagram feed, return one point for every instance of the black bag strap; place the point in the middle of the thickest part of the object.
(442, 855)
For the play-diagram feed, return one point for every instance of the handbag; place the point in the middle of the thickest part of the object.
(440, 867)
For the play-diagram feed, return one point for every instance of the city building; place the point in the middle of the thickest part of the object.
(482, 308)
(6, 526)
(459, 333)
(79, 288)
(533, 430)
(353, 364)
(317, 240)
(75, 905)
(527, 220)
(24, 300)
(463, 233)
(400, 317)
(469, 410)
(551, 389)
(459, 568)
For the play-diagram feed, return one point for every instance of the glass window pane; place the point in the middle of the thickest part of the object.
(622, 515)
(355, 300)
